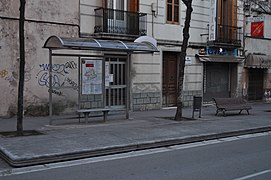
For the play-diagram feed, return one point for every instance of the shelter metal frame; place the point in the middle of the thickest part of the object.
(143, 44)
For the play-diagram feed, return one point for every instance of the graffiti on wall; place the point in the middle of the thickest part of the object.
(56, 92)
(60, 77)
(3, 73)
(12, 76)
(69, 82)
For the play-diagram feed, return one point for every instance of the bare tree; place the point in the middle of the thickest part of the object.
(22, 66)
(261, 6)
(189, 10)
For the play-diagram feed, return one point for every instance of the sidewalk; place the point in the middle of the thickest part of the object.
(66, 139)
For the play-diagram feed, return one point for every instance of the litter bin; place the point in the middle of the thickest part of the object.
(197, 104)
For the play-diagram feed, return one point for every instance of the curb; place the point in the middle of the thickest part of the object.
(126, 148)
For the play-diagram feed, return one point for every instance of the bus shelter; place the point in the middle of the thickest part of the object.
(82, 48)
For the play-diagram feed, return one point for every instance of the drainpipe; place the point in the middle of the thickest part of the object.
(244, 86)
(154, 10)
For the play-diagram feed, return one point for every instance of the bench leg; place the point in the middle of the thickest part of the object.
(86, 117)
(79, 114)
(216, 112)
(240, 111)
(247, 112)
(224, 112)
(105, 115)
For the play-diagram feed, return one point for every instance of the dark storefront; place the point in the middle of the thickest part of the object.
(219, 76)
(257, 66)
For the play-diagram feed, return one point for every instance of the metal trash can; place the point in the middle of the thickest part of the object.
(197, 104)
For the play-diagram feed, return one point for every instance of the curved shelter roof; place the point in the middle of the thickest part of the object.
(55, 42)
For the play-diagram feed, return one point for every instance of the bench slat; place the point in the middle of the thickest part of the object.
(92, 110)
(228, 104)
(87, 111)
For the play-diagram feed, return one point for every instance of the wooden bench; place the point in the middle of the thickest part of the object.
(230, 104)
(87, 111)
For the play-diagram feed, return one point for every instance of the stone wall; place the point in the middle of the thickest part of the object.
(188, 97)
(44, 18)
(91, 101)
(146, 101)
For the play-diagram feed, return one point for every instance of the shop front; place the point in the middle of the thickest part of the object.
(220, 73)
(257, 75)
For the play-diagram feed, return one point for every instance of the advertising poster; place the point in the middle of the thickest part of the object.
(257, 29)
(91, 76)
(108, 77)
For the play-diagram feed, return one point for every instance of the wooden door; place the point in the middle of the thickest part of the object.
(133, 5)
(255, 84)
(170, 78)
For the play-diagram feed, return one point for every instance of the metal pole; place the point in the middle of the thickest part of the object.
(79, 83)
(50, 88)
(103, 82)
(128, 86)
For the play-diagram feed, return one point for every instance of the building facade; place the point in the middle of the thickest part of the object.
(215, 62)
(257, 50)
(214, 57)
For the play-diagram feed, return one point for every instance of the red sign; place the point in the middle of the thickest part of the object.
(89, 65)
(257, 29)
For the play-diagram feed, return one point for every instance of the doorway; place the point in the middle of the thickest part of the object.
(170, 64)
(115, 82)
(255, 84)
(216, 80)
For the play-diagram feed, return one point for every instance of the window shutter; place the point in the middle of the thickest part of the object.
(133, 5)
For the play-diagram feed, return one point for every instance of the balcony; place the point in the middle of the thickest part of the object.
(113, 21)
(227, 36)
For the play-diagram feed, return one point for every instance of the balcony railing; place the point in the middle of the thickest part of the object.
(120, 22)
(228, 35)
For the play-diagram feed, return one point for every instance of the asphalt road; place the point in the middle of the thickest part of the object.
(246, 157)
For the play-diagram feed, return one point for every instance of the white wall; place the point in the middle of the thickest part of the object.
(259, 45)
(87, 15)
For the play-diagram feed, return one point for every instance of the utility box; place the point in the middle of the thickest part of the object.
(197, 104)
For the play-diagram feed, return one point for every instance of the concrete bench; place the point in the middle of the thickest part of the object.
(230, 104)
(87, 111)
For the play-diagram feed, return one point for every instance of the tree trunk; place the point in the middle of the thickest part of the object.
(22, 66)
(188, 3)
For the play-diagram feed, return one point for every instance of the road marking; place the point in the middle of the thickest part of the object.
(254, 175)
(37, 168)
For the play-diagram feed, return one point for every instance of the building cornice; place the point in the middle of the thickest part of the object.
(260, 38)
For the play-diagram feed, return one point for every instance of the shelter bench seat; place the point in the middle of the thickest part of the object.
(87, 111)
(230, 104)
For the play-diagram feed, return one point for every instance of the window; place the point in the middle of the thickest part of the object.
(227, 12)
(130, 5)
(133, 5)
(173, 8)
(227, 20)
